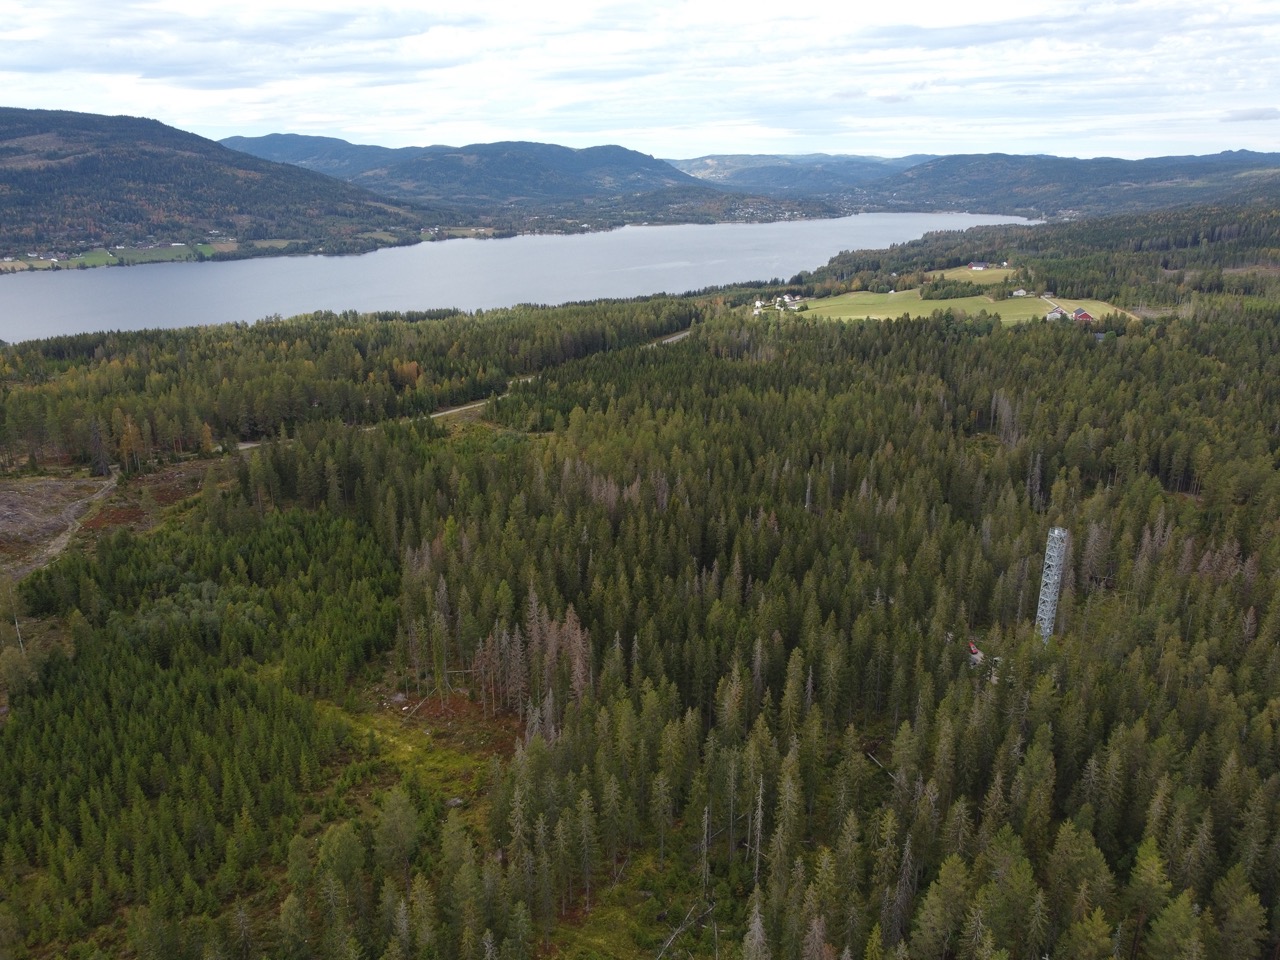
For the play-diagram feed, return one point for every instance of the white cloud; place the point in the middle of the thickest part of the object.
(1251, 115)
(671, 78)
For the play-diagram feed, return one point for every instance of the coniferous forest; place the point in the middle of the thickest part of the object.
(713, 601)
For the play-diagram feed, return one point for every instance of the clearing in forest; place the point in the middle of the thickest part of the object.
(888, 306)
(36, 511)
(984, 277)
(39, 516)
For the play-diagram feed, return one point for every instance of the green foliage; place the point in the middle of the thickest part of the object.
(137, 397)
(1160, 261)
(950, 290)
(1049, 186)
(725, 587)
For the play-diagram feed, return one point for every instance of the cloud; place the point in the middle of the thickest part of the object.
(1251, 114)
(1120, 77)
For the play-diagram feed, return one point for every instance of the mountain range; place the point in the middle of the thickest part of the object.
(508, 172)
(812, 173)
(75, 180)
(1047, 186)
(532, 177)
(516, 184)
(1036, 186)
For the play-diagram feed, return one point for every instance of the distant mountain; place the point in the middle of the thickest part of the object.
(1056, 186)
(522, 181)
(1038, 186)
(518, 185)
(479, 175)
(327, 155)
(802, 174)
(71, 180)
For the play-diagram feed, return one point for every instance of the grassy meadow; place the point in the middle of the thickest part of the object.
(881, 306)
(101, 257)
(991, 275)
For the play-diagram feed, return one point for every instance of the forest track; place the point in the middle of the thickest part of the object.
(450, 411)
(478, 404)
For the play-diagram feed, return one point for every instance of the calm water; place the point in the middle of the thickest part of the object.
(469, 274)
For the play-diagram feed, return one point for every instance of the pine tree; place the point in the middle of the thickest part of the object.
(1148, 891)
(940, 918)
(1175, 933)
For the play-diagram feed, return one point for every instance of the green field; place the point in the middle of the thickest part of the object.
(162, 254)
(102, 257)
(881, 306)
(982, 277)
(98, 258)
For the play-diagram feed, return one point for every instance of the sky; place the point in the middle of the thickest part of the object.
(1127, 78)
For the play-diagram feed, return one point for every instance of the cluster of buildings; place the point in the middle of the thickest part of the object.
(1079, 315)
(784, 302)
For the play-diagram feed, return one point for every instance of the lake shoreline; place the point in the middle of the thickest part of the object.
(528, 268)
(146, 256)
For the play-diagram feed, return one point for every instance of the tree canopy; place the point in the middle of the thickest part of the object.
(725, 589)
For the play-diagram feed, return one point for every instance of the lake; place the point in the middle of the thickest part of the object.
(468, 274)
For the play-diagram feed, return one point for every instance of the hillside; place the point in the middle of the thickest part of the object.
(70, 182)
(512, 171)
(1035, 186)
(327, 155)
(74, 180)
(813, 173)
(521, 185)
(528, 186)
(1057, 185)
(526, 172)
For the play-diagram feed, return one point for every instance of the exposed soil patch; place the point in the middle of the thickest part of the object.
(39, 516)
(115, 517)
(37, 513)
(175, 483)
(457, 721)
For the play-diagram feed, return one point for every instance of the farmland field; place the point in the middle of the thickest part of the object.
(880, 306)
(101, 257)
(991, 275)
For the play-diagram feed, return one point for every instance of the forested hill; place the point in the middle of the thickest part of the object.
(1035, 186)
(545, 178)
(523, 185)
(1162, 260)
(1051, 186)
(813, 173)
(481, 174)
(70, 180)
(327, 155)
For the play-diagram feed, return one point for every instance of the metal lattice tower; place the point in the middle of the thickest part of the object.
(1055, 553)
